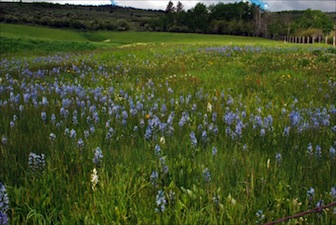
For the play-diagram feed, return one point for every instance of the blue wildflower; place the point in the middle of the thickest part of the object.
(53, 118)
(148, 133)
(160, 201)
(193, 139)
(80, 143)
(262, 132)
(206, 175)
(333, 192)
(153, 178)
(278, 158)
(286, 131)
(36, 161)
(72, 133)
(52, 137)
(44, 116)
(4, 140)
(98, 155)
(318, 151)
(310, 149)
(157, 150)
(214, 150)
(332, 152)
(311, 193)
(4, 205)
(319, 203)
(86, 134)
(260, 216)
(294, 118)
(204, 136)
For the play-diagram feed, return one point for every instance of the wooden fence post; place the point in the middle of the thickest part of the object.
(308, 40)
(334, 41)
(313, 39)
(326, 39)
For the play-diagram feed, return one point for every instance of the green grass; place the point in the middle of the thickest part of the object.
(23, 39)
(244, 77)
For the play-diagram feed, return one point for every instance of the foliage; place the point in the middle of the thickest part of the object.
(239, 18)
(75, 16)
(315, 19)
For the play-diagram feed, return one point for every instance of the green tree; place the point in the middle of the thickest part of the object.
(314, 19)
(199, 18)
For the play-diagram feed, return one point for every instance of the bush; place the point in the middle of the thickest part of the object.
(122, 25)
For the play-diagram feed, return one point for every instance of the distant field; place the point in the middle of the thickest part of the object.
(33, 39)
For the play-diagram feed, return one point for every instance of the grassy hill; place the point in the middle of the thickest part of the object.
(27, 39)
(76, 16)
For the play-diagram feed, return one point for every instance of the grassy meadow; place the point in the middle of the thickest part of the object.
(163, 128)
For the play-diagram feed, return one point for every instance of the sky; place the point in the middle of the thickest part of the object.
(271, 5)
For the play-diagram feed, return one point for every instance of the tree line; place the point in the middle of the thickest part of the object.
(239, 18)
(242, 18)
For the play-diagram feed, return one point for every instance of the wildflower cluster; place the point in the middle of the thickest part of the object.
(4, 205)
(36, 161)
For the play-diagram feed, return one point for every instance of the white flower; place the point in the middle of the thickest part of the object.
(162, 140)
(94, 179)
(209, 107)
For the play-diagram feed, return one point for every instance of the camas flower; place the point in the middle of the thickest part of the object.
(333, 192)
(160, 201)
(36, 161)
(193, 139)
(206, 175)
(332, 152)
(278, 157)
(153, 178)
(260, 216)
(98, 155)
(4, 205)
(214, 150)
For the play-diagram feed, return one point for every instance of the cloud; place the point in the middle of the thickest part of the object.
(273, 5)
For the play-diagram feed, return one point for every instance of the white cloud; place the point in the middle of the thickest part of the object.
(274, 5)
